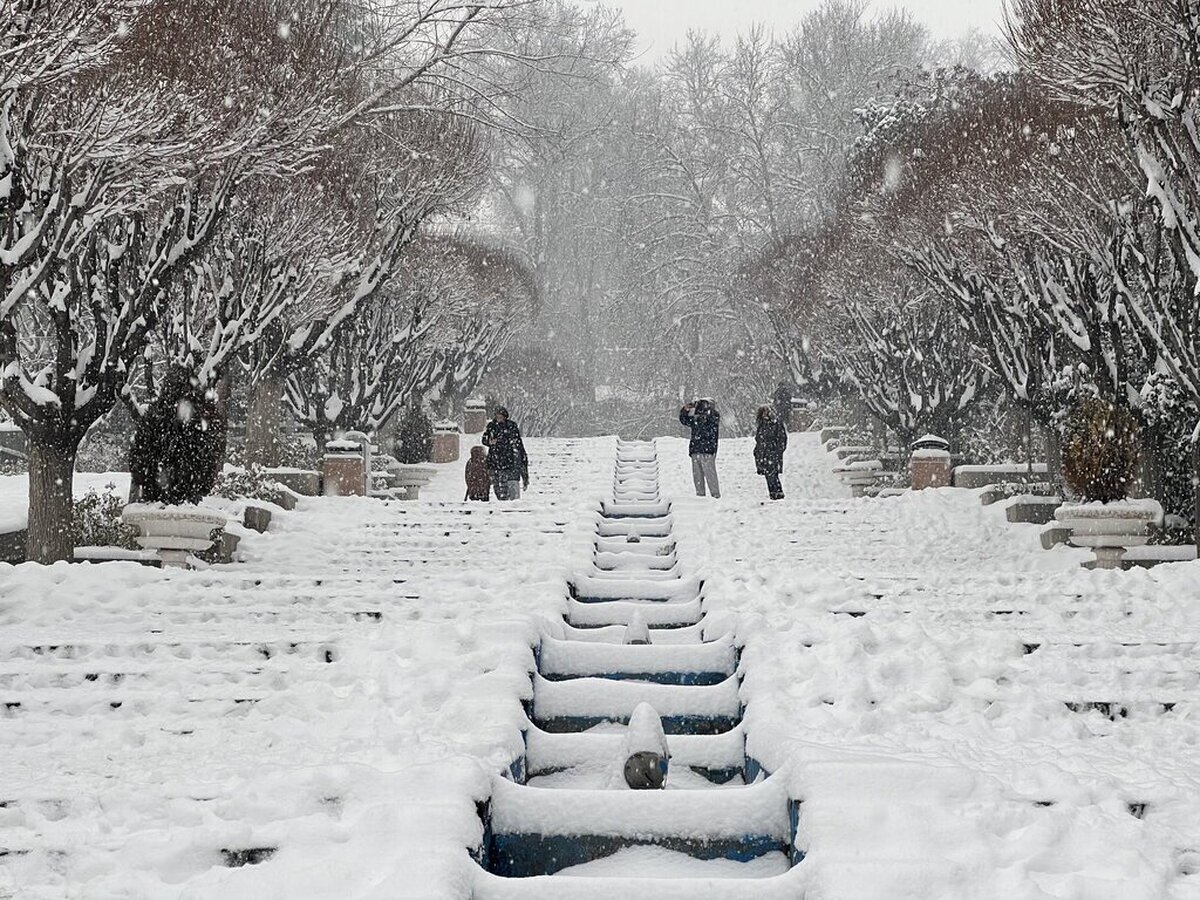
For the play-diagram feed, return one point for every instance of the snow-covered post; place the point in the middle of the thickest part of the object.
(930, 463)
(637, 632)
(645, 756)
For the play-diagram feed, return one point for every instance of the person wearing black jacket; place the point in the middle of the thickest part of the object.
(507, 461)
(770, 440)
(705, 422)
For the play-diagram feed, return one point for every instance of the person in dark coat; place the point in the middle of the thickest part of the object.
(770, 440)
(705, 422)
(479, 481)
(506, 460)
(783, 404)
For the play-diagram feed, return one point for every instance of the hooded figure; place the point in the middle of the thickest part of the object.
(770, 440)
(479, 482)
(705, 422)
(506, 460)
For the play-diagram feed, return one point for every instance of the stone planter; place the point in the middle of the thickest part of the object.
(445, 442)
(475, 417)
(1110, 529)
(175, 533)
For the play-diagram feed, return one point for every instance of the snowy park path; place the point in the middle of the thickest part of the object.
(314, 722)
(961, 713)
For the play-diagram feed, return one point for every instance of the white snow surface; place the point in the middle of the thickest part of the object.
(350, 691)
(936, 758)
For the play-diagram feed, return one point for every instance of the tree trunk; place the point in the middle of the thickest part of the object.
(1196, 483)
(51, 502)
(1053, 455)
(262, 421)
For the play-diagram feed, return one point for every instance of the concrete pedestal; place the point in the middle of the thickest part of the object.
(345, 475)
(475, 417)
(445, 443)
(930, 469)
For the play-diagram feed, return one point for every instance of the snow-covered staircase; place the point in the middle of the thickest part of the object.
(564, 823)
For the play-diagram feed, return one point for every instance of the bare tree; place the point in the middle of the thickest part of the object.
(124, 148)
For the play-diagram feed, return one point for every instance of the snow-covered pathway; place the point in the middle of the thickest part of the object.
(962, 713)
(317, 722)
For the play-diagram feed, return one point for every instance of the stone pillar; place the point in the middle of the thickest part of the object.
(930, 465)
(345, 469)
(445, 442)
(802, 416)
(475, 417)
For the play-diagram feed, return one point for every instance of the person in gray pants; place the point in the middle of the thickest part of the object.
(705, 423)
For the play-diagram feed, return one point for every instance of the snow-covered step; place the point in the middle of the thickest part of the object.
(597, 588)
(648, 576)
(90, 678)
(196, 703)
(637, 562)
(541, 832)
(698, 664)
(169, 650)
(622, 612)
(635, 510)
(718, 758)
(1108, 648)
(715, 881)
(583, 703)
(615, 634)
(623, 528)
(649, 546)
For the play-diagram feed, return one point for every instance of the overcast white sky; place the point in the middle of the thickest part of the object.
(661, 23)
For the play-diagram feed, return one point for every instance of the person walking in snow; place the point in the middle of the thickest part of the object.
(705, 422)
(506, 459)
(770, 440)
(479, 482)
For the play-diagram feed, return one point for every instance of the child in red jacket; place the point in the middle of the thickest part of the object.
(479, 481)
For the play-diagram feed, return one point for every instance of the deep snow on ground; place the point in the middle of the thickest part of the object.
(347, 694)
(343, 695)
(937, 758)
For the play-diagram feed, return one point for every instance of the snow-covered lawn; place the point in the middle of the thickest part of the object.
(345, 696)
